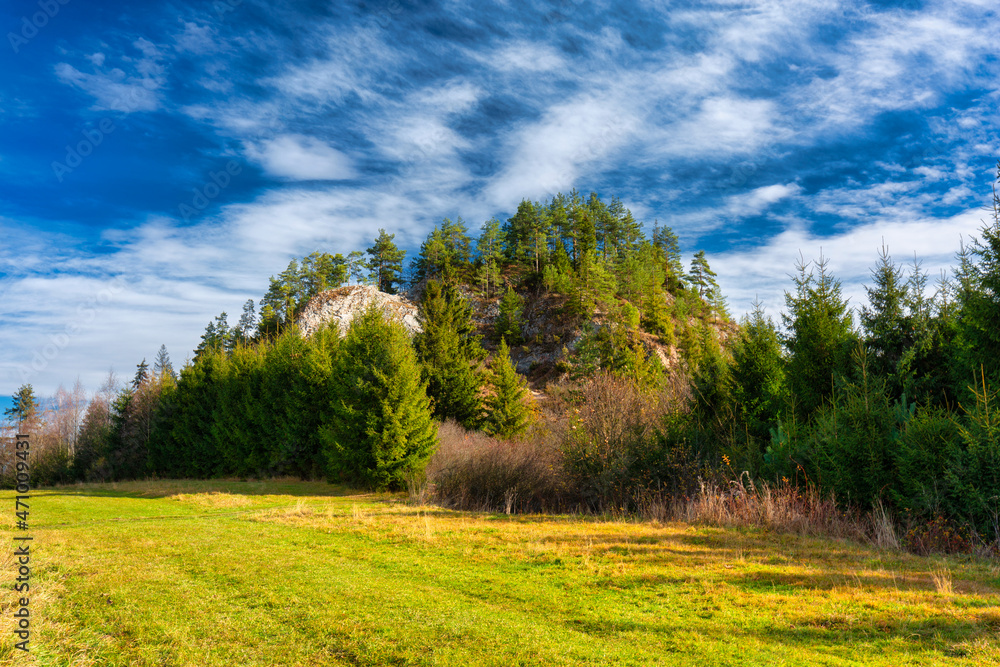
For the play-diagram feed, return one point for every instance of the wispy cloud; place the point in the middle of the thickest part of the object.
(134, 86)
(301, 158)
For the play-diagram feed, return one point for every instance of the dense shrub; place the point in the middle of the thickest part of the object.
(973, 471)
(622, 440)
(852, 441)
(921, 457)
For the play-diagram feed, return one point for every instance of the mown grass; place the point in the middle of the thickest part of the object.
(292, 573)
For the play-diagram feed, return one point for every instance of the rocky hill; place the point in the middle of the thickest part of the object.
(342, 304)
(549, 338)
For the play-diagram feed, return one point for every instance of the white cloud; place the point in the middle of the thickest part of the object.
(523, 56)
(733, 209)
(113, 88)
(571, 140)
(195, 38)
(763, 271)
(301, 158)
(728, 125)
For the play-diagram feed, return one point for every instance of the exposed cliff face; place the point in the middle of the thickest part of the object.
(342, 304)
(548, 335)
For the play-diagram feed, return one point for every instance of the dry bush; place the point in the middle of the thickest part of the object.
(783, 508)
(471, 470)
(624, 440)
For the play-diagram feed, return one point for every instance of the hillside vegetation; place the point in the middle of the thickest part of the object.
(643, 393)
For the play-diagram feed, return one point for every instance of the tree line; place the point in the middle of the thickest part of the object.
(890, 404)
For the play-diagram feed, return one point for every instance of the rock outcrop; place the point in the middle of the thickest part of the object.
(340, 305)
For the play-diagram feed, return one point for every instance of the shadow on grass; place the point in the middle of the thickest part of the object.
(153, 489)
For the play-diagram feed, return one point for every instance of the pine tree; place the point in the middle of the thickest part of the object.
(217, 335)
(355, 265)
(609, 219)
(665, 239)
(518, 237)
(433, 257)
(320, 272)
(593, 286)
(448, 351)
(380, 428)
(508, 322)
(248, 323)
(457, 243)
(584, 225)
(386, 263)
(24, 410)
(283, 297)
(507, 413)
(489, 249)
(702, 276)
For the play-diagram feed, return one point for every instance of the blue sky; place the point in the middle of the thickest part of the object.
(161, 160)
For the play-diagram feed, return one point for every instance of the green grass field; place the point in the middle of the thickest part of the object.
(291, 573)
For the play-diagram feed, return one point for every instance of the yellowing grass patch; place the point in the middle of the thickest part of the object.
(289, 573)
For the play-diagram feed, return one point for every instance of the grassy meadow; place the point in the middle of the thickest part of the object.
(298, 573)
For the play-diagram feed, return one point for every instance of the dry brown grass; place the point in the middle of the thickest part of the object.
(214, 499)
(942, 581)
(743, 503)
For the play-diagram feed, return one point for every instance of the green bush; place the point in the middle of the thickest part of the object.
(973, 472)
(852, 442)
(921, 456)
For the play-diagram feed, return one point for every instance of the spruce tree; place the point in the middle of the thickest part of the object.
(217, 335)
(141, 374)
(162, 367)
(379, 428)
(758, 373)
(448, 352)
(979, 302)
(884, 321)
(820, 338)
(507, 413)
